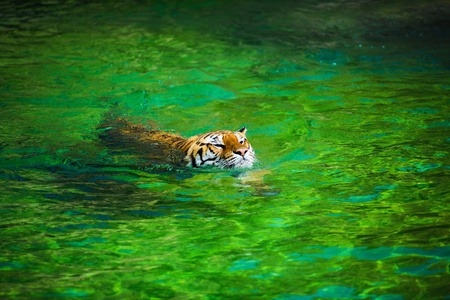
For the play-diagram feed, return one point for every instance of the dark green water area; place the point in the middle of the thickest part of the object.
(346, 105)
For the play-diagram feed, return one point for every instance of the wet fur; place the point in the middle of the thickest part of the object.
(160, 147)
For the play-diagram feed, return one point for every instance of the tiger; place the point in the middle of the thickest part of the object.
(221, 149)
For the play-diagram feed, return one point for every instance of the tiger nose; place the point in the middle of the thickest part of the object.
(241, 151)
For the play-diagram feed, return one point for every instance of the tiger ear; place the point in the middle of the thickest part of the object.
(243, 130)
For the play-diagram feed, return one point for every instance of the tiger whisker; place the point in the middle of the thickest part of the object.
(222, 148)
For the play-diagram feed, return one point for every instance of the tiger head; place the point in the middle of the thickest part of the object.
(223, 149)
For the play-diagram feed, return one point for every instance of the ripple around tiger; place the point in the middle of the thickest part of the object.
(222, 149)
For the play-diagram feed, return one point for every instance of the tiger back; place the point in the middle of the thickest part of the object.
(222, 149)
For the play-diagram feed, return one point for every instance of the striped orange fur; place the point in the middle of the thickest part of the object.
(223, 148)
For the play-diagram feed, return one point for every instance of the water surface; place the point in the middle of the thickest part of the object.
(347, 107)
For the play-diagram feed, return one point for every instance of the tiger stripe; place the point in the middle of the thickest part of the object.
(223, 148)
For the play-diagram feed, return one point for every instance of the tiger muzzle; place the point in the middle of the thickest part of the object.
(240, 151)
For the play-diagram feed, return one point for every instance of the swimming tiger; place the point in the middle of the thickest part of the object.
(222, 149)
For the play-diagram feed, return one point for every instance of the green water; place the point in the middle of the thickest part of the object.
(347, 107)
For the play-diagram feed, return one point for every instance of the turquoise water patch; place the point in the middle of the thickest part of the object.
(244, 264)
(71, 293)
(365, 100)
(341, 293)
(375, 254)
(209, 91)
(418, 167)
(187, 95)
(152, 185)
(277, 223)
(72, 212)
(298, 155)
(361, 198)
(338, 215)
(86, 242)
(329, 292)
(376, 58)
(423, 110)
(126, 251)
(4, 266)
(324, 76)
(136, 100)
(419, 270)
(439, 124)
(427, 167)
(265, 276)
(386, 187)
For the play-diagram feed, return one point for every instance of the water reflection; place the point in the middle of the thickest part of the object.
(346, 111)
